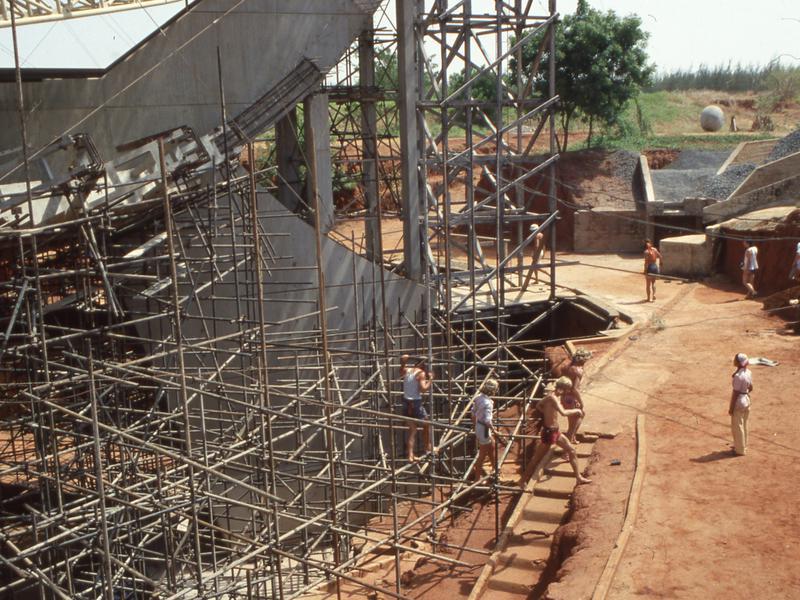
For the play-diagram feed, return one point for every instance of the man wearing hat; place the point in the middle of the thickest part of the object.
(739, 408)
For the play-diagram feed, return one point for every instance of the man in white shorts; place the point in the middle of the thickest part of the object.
(749, 268)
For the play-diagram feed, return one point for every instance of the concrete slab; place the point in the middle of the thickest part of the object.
(687, 255)
(562, 468)
(555, 487)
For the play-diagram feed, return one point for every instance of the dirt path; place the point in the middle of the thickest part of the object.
(710, 525)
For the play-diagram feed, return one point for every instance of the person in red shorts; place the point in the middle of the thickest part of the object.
(550, 407)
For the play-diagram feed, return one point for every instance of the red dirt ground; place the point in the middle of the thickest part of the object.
(710, 525)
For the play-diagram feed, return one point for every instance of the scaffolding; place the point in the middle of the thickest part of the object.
(192, 409)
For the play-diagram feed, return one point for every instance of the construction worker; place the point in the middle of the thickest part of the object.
(550, 407)
(482, 409)
(416, 381)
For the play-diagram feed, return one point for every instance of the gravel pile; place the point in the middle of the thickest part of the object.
(623, 164)
(788, 145)
(721, 186)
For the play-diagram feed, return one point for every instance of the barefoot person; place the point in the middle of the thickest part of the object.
(749, 268)
(550, 407)
(482, 409)
(416, 381)
(537, 254)
(739, 408)
(652, 267)
(572, 397)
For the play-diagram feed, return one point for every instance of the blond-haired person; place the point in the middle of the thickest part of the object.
(482, 419)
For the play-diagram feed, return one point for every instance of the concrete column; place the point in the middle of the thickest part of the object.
(315, 114)
(369, 140)
(409, 92)
(289, 158)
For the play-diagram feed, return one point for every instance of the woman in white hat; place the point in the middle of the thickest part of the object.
(739, 408)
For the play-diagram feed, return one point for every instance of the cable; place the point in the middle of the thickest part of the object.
(126, 87)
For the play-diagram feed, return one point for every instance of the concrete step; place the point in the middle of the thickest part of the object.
(554, 487)
(529, 550)
(513, 580)
(560, 467)
(583, 450)
(546, 512)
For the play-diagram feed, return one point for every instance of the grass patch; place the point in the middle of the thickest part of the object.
(708, 141)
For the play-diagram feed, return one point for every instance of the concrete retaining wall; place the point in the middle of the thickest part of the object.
(608, 231)
(778, 193)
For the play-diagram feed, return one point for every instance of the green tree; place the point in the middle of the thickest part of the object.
(484, 90)
(601, 64)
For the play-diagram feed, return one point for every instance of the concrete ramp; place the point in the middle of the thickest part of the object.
(673, 185)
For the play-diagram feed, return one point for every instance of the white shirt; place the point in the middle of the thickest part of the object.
(751, 259)
(411, 385)
(482, 408)
(742, 381)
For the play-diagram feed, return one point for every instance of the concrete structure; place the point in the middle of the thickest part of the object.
(205, 382)
(609, 231)
(775, 231)
(772, 184)
(687, 255)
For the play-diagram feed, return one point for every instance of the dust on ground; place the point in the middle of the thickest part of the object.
(710, 525)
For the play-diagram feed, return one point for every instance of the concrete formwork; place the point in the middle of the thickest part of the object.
(172, 76)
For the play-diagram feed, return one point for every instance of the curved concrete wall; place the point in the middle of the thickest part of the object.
(171, 78)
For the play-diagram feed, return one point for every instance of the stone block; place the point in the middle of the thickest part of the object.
(687, 255)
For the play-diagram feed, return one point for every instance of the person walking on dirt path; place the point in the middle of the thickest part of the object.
(537, 255)
(485, 433)
(550, 407)
(794, 272)
(739, 408)
(416, 381)
(652, 268)
(749, 268)
(572, 397)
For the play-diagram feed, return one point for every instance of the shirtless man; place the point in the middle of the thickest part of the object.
(538, 253)
(550, 407)
(416, 381)
(652, 267)
(572, 397)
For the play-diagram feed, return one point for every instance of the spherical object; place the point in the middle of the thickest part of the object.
(712, 118)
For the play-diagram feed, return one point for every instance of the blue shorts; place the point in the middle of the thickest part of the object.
(652, 269)
(413, 408)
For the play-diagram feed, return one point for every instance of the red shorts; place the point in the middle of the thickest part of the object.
(550, 435)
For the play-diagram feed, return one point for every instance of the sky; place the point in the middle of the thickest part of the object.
(683, 33)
